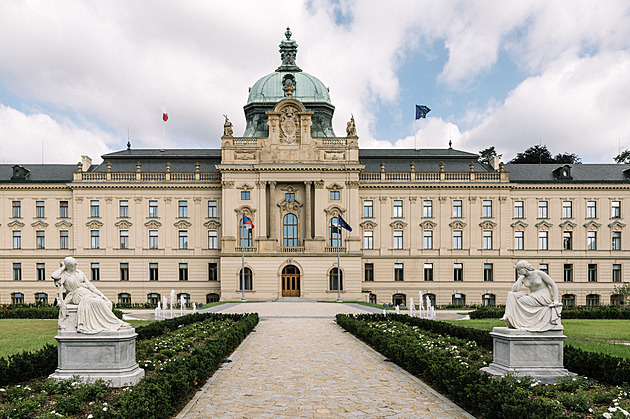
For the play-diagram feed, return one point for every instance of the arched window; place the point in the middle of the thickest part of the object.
(290, 229)
(488, 300)
(17, 298)
(212, 298)
(245, 277)
(615, 300)
(246, 234)
(153, 298)
(124, 298)
(372, 298)
(334, 237)
(568, 300)
(332, 279)
(592, 300)
(186, 298)
(458, 300)
(41, 298)
(399, 300)
(431, 299)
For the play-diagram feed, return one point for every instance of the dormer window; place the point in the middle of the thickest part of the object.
(563, 173)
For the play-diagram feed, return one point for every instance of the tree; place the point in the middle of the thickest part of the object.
(623, 157)
(567, 158)
(540, 154)
(487, 154)
(623, 291)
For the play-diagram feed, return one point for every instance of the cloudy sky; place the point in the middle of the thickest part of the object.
(81, 77)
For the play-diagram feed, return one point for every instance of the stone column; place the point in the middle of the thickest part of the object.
(273, 214)
(307, 224)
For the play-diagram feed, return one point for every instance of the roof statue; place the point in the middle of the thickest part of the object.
(351, 129)
(227, 127)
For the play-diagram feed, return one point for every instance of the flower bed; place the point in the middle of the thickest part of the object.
(451, 365)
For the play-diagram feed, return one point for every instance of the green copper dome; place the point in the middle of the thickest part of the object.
(272, 88)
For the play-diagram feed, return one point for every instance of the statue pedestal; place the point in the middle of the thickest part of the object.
(522, 353)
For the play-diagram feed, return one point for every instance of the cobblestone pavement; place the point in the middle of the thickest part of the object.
(299, 363)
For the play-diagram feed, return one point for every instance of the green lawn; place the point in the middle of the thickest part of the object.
(605, 336)
(17, 335)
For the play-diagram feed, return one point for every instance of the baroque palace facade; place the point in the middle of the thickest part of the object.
(147, 221)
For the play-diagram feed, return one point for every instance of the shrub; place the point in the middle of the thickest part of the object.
(568, 312)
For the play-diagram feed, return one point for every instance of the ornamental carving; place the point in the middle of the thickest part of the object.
(503, 198)
(568, 224)
(261, 184)
(472, 198)
(183, 224)
(244, 155)
(616, 225)
(519, 225)
(63, 223)
(289, 188)
(78, 198)
(442, 199)
(123, 224)
(94, 224)
(138, 200)
(245, 209)
(333, 211)
(227, 184)
(334, 187)
(289, 125)
(108, 199)
(319, 184)
(487, 225)
(334, 155)
(352, 184)
(368, 225)
(153, 225)
(383, 199)
(168, 199)
(212, 225)
(413, 199)
(428, 225)
(457, 225)
(398, 225)
(197, 200)
(543, 225)
(16, 224)
(40, 224)
(289, 206)
(245, 187)
(592, 225)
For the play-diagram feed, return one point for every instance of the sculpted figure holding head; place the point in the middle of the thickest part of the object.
(537, 310)
(94, 312)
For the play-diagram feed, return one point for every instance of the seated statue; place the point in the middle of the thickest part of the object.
(538, 310)
(94, 312)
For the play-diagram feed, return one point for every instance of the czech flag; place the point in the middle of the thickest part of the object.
(247, 222)
(164, 114)
(342, 223)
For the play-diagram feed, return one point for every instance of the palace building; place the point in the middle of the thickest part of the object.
(148, 221)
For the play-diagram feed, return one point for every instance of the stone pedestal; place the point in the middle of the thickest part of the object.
(523, 353)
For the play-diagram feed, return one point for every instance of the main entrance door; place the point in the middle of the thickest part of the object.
(290, 281)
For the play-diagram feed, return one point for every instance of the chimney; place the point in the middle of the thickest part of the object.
(494, 162)
(86, 162)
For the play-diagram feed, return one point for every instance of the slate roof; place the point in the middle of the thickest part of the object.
(154, 160)
(39, 173)
(581, 173)
(425, 160)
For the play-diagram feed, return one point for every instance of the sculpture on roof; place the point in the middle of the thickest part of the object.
(537, 310)
(227, 127)
(351, 129)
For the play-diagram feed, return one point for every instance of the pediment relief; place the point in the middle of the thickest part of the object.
(290, 125)
(183, 224)
(94, 224)
(289, 206)
(334, 155)
(244, 154)
(212, 224)
(289, 189)
(123, 224)
(153, 224)
(245, 187)
(334, 210)
(592, 225)
(245, 209)
(519, 225)
(488, 225)
(428, 224)
(16, 224)
(399, 225)
(568, 224)
(544, 225)
(334, 186)
(457, 224)
(616, 225)
(40, 224)
(368, 225)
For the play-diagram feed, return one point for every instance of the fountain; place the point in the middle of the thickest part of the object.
(182, 305)
(420, 304)
(164, 306)
(411, 307)
(194, 308)
(172, 302)
(158, 311)
(397, 309)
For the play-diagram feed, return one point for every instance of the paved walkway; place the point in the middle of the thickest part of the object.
(299, 363)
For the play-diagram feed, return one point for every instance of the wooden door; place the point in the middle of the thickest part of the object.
(290, 285)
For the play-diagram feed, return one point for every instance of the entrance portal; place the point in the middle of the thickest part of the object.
(290, 281)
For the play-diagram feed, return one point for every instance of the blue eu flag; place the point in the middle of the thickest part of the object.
(342, 223)
(422, 111)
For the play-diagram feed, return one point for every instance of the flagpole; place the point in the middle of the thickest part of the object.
(243, 271)
(338, 265)
(415, 140)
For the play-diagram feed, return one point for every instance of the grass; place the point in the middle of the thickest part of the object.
(604, 336)
(18, 335)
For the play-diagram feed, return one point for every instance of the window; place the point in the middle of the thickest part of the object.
(592, 272)
(398, 209)
(212, 209)
(63, 209)
(41, 271)
(246, 234)
(372, 298)
(616, 272)
(568, 272)
(94, 208)
(616, 240)
(488, 300)
(567, 209)
(95, 271)
(398, 239)
(591, 209)
(457, 209)
(153, 209)
(542, 209)
(124, 272)
(368, 272)
(123, 209)
(335, 195)
(186, 297)
(212, 239)
(592, 300)
(182, 209)
(616, 300)
(40, 239)
(543, 267)
(183, 239)
(41, 298)
(153, 239)
(457, 239)
(333, 279)
(213, 271)
(183, 272)
(64, 239)
(40, 209)
(567, 240)
(124, 239)
(486, 209)
(431, 298)
(17, 271)
(124, 298)
(488, 272)
(17, 209)
(458, 272)
(458, 300)
(17, 239)
(95, 239)
(519, 238)
(428, 272)
(245, 280)
(368, 207)
(568, 300)
(212, 298)
(334, 238)
(427, 209)
(591, 240)
(428, 239)
(289, 197)
(543, 240)
(399, 272)
(368, 242)
(17, 298)
(153, 272)
(518, 209)
(245, 195)
(487, 239)
(290, 230)
(153, 298)
(399, 300)
(615, 209)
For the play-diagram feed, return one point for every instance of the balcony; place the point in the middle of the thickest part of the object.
(147, 177)
(420, 177)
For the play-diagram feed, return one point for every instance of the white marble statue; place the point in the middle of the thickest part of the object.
(94, 312)
(537, 310)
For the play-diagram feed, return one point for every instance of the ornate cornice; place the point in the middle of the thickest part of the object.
(123, 224)
(368, 225)
(592, 225)
(544, 225)
(212, 224)
(183, 224)
(428, 224)
(457, 224)
(519, 225)
(398, 224)
(153, 224)
(334, 186)
(334, 210)
(39, 223)
(16, 224)
(616, 225)
(487, 225)
(568, 224)
(94, 224)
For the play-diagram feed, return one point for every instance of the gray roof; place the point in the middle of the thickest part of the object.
(425, 160)
(174, 153)
(428, 153)
(154, 160)
(39, 173)
(581, 173)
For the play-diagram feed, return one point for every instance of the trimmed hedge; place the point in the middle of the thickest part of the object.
(42, 312)
(568, 312)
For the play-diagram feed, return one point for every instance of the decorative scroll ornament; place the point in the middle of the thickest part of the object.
(289, 126)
